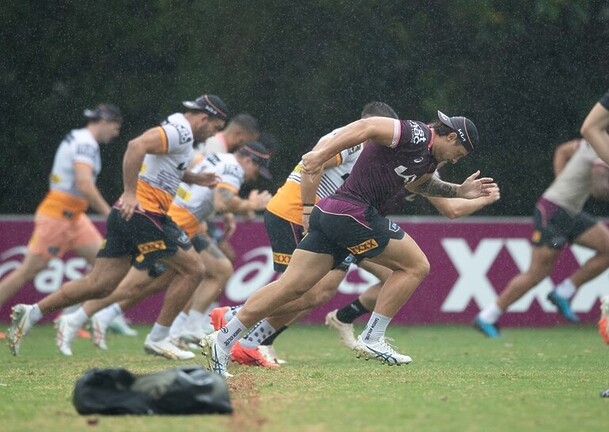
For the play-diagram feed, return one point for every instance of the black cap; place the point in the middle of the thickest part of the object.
(104, 111)
(260, 155)
(210, 104)
(465, 129)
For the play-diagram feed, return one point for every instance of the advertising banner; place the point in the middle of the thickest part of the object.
(472, 260)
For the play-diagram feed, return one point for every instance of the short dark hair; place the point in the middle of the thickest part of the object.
(104, 111)
(440, 128)
(246, 121)
(378, 109)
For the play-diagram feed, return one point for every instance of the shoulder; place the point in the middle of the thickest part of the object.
(178, 130)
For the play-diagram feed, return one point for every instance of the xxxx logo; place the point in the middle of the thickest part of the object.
(152, 246)
(363, 247)
(281, 258)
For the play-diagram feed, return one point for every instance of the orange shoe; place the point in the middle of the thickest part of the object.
(250, 357)
(603, 323)
(216, 317)
(83, 334)
(2, 335)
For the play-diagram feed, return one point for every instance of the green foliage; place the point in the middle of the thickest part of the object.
(527, 72)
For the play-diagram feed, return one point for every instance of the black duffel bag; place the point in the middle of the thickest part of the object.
(181, 390)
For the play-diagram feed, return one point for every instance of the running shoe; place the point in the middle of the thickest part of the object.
(65, 334)
(250, 357)
(216, 359)
(120, 326)
(603, 323)
(20, 326)
(166, 348)
(381, 351)
(83, 334)
(564, 307)
(268, 352)
(345, 331)
(216, 317)
(99, 328)
(487, 329)
(2, 335)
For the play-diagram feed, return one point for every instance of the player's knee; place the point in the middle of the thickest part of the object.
(420, 268)
(224, 269)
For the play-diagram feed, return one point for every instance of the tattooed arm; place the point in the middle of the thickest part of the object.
(226, 200)
(471, 188)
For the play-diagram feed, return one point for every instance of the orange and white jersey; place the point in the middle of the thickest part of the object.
(79, 147)
(161, 174)
(287, 202)
(194, 204)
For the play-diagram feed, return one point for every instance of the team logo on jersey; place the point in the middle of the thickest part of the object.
(363, 247)
(86, 150)
(182, 166)
(281, 258)
(393, 227)
(183, 132)
(354, 149)
(417, 134)
(536, 236)
(152, 246)
(418, 160)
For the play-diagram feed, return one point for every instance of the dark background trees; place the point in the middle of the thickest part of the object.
(526, 71)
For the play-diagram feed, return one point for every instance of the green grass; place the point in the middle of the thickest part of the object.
(529, 380)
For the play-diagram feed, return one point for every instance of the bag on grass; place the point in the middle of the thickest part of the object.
(182, 390)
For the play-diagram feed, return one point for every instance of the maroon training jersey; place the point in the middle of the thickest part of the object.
(380, 172)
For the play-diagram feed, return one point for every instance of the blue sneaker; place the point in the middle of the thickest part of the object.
(564, 306)
(487, 329)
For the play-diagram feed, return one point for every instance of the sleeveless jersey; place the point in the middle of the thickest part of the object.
(193, 203)
(161, 174)
(64, 200)
(287, 202)
(381, 172)
(571, 188)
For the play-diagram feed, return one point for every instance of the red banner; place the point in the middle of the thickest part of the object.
(471, 261)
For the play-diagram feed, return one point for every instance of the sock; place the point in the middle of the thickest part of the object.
(78, 318)
(256, 335)
(108, 314)
(158, 332)
(234, 331)
(375, 329)
(491, 313)
(178, 323)
(206, 321)
(566, 289)
(35, 315)
(231, 312)
(269, 340)
(195, 320)
(351, 312)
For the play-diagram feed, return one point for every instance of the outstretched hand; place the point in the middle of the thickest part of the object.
(474, 187)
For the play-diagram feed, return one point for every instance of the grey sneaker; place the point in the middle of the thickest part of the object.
(345, 331)
(166, 348)
(381, 351)
(65, 334)
(20, 326)
(216, 359)
(120, 326)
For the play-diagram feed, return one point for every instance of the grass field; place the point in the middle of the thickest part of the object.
(529, 380)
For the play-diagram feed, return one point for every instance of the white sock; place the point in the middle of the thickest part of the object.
(195, 320)
(35, 315)
(178, 324)
(566, 289)
(375, 329)
(78, 318)
(234, 331)
(257, 334)
(491, 313)
(158, 332)
(231, 312)
(107, 314)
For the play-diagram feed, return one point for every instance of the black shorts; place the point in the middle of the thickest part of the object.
(555, 227)
(146, 237)
(284, 236)
(340, 228)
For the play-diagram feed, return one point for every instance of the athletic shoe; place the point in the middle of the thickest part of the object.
(381, 351)
(250, 357)
(487, 329)
(216, 359)
(83, 334)
(268, 352)
(603, 323)
(20, 326)
(2, 335)
(166, 348)
(120, 326)
(564, 306)
(345, 331)
(216, 317)
(65, 334)
(99, 328)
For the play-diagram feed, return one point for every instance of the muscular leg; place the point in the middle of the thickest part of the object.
(27, 270)
(597, 239)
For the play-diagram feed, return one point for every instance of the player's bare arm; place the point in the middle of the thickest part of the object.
(86, 186)
(594, 130)
(226, 200)
(471, 188)
(562, 154)
(454, 208)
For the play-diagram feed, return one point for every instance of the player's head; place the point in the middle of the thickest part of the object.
(254, 158)
(207, 115)
(458, 133)
(241, 129)
(378, 109)
(104, 121)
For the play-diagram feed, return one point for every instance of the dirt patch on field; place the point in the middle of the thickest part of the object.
(246, 402)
